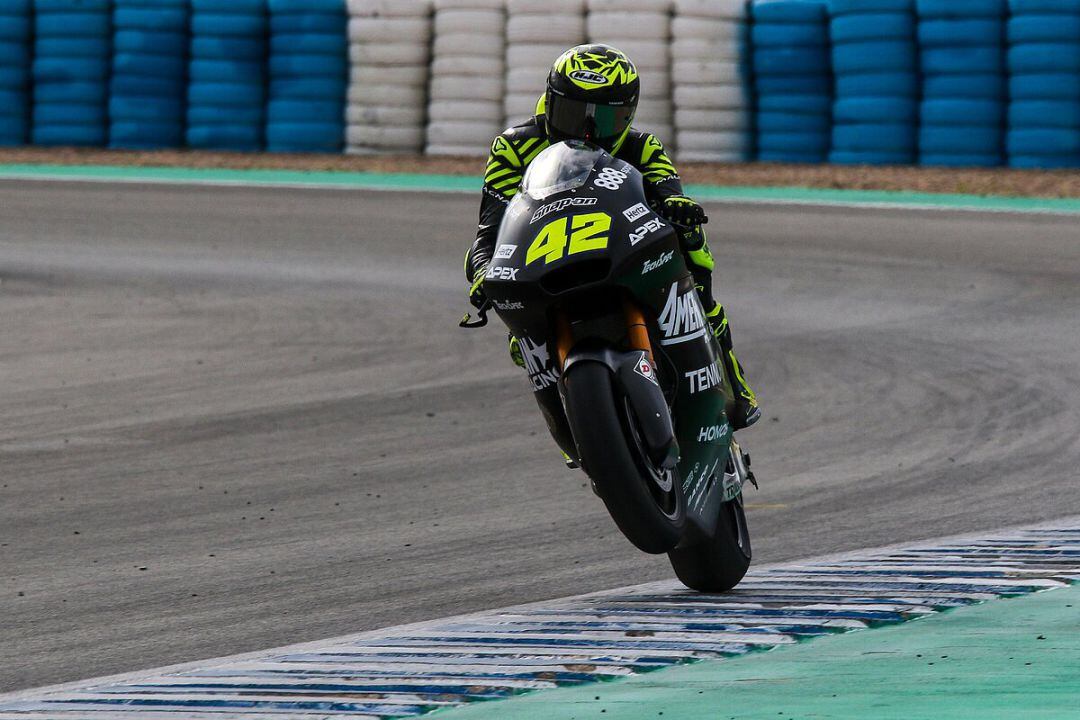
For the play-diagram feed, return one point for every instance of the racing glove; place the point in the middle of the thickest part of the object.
(681, 210)
(477, 296)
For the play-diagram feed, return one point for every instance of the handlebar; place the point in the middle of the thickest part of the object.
(481, 317)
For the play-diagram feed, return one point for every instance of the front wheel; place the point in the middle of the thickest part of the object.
(645, 501)
(719, 562)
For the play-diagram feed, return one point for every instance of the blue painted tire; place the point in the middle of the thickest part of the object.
(958, 160)
(47, 70)
(70, 114)
(150, 19)
(987, 86)
(797, 142)
(216, 115)
(875, 57)
(1043, 29)
(223, 24)
(961, 8)
(162, 66)
(873, 110)
(305, 111)
(1063, 114)
(309, 89)
(791, 61)
(15, 27)
(305, 137)
(151, 42)
(878, 84)
(1044, 58)
(303, 66)
(72, 47)
(75, 92)
(73, 25)
(782, 122)
(142, 86)
(791, 157)
(819, 84)
(956, 33)
(1043, 141)
(1049, 86)
(151, 3)
(242, 138)
(1035, 162)
(14, 78)
(800, 104)
(1027, 7)
(76, 135)
(870, 157)
(310, 43)
(159, 110)
(245, 7)
(845, 7)
(226, 94)
(233, 49)
(968, 60)
(13, 131)
(963, 112)
(872, 27)
(896, 138)
(307, 6)
(14, 53)
(60, 6)
(961, 140)
(308, 23)
(789, 11)
(789, 35)
(200, 71)
(140, 135)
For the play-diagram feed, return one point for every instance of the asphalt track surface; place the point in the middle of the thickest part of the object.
(239, 418)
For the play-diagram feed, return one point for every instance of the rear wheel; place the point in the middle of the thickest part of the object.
(717, 563)
(645, 501)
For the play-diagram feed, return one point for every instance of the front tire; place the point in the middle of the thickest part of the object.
(646, 502)
(717, 563)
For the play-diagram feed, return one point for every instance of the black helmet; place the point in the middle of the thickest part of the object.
(592, 94)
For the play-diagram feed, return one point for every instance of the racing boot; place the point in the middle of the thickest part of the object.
(746, 411)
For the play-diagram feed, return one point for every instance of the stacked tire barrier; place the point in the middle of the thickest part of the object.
(15, 34)
(641, 29)
(467, 77)
(792, 81)
(149, 74)
(389, 55)
(710, 82)
(875, 62)
(72, 55)
(962, 57)
(227, 75)
(1044, 84)
(536, 34)
(308, 71)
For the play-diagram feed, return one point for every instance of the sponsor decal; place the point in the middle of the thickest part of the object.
(610, 179)
(495, 194)
(502, 273)
(505, 252)
(537, 364)
(634, 212)
(516, 305)
(712, 433)
(704, 378)
(651, 265)
(589, 76)
(642, 232)
(626, 167)
(682, 318)
(644, 368)
(558, 205)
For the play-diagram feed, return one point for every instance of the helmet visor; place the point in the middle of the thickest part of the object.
(601, 124)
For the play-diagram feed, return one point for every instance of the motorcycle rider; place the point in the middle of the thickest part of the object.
(592, 94)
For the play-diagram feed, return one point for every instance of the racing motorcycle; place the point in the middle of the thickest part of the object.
(592, 283)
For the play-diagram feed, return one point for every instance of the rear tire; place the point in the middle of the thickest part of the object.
(717, 563)
(647, 504)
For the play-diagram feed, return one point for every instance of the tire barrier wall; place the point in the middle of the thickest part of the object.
(710, 80)
(15, 38)
(1044, 84)
(308, 72)
(389, 54)
(792, 80)
(536, 34)
(227, 75)
(149, 74)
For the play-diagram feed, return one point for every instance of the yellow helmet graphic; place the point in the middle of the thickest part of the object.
(592, 94)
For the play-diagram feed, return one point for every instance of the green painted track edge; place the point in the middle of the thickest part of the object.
(462, 183)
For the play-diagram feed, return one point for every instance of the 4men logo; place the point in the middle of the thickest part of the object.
(651, 265)
(538, 364)
(682, 318)
(704, 378)
(558, 205)
(634, 212)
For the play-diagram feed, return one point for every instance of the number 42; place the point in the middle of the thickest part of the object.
(586, 233)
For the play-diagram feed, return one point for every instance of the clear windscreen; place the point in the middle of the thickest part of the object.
(561, 167)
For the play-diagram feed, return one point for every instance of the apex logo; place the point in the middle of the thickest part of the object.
(682, 318)
(502, 273)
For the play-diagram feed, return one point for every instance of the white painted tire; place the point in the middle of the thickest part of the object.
(566, 29)
(701, 49)
(371, 114)
(479, 134)
(710, 96)
(663, 131)
(469, 45)
(707, 72)
(527, 79)
(604, 26)
(488, 23)
(389, 8)
(462, 87)
(707, 29)
(715, 120)
(629, 5)
(653, 113)
(389, 74)
(388, 95)
(549, 7)
(468, 151)
(395, 30)
(385, 137)
(388, 54)
(646, 54)
(469, 4)
(534, 56)
(488, 111)
(459, 65)
(713, 157)
(518, 108)
(727, 9)
(713, 141)
(655, 84)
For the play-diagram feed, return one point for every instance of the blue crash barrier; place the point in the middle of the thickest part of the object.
(15, 34)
